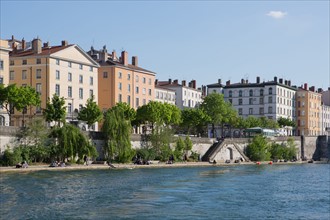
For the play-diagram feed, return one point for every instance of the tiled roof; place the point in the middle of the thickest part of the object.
(130, 66)
(45, 51)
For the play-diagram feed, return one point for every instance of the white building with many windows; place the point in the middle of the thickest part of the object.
(164, 95)
(272, 99)
(186, 96)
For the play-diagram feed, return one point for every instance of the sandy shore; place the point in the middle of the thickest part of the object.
(127, 166)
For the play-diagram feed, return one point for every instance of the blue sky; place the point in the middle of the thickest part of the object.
(202, 40)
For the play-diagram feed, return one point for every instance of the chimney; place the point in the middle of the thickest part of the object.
(281, 80)
(23, 44)
(124, 58)
(305, 86)
(46, 44)
(204, 90)
(242, 81)
(175, 81)
(286, 82)
(114, 55)
(104, 54)
(219, 81)
(12, 37)
(312, 88)
(289, 83)
(193, 82)
(36, 46)
(156, 82)
(319, 90)
(258, 79)
(190, 84)
(228, 83)
(13, 46)
(64, 43)
(183, 82)
(275, 79)
(135, 61)
(169, 81)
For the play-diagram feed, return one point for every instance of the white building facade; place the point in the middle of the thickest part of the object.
(325, 120)
(164, 95)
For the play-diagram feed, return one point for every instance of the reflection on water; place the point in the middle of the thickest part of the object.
(230, 192)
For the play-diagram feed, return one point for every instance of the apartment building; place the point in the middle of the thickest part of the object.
(215, 87)
(65, 70)
(4, 76)
(164, 95)
(120, 81)
(187, 96)
(309, 111)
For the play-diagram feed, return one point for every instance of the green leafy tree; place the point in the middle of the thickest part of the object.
(19, 98)
(258, 149)
(194, 120)
(117, 133)
(179, 148)
(91, 113)
(55, 110)
(129, 112)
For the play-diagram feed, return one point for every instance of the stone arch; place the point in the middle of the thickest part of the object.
(229, 153)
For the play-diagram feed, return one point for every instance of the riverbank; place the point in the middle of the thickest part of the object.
(46, 167)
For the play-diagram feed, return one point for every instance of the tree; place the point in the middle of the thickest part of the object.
(117, 132)
(91, 113)
(286, 122)
(55, 110)
(19, 98)
(258, 149)
(150, 113)
(129, 112)
(194, 120)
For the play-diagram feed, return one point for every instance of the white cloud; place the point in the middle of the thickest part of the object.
(277, 14)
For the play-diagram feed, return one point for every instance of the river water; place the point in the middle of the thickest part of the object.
(299, 191)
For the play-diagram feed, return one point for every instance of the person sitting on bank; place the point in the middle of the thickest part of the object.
(25, 165)
(18, 165)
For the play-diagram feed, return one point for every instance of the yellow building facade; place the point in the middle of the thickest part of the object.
(65, 70)
(4, 76)
(308, 111)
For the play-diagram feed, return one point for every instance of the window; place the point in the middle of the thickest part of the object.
(1, 80)
(128, 76)
(129, 99)
(270, 91)
(270, 109)
(240, 93)
(137, 90)
(251, 101)
(149, 91)
(38, 61)
(119, 86)
(144, 80)
(261, 100)
(105, 74)
(144, 91)
(270, 99)
(24, 62)
(11, 75)
(57, 74)
(69, 77)
(1, 65)
(38, 74)
(69, 91)
(144, 101)
(91, 69)
(251, 92)
(69, 107)
(12, 63)
(57, 62)
(69, 64)
(240, 111)
(91, 93)
(91, 80)
(120, 75)
(261, 92)
(240, 101)
(149, 81)
(80, 107)
(81, 93)
(129, 87)
(261, 111)
(38, 109)
(57, 89)
(38, 88)
(24, 75)
(136, 78)
(251, 111)
(230, 101)
(137, 102)
(81, 79)
(80, 66)
(230, 93)
(119, 98)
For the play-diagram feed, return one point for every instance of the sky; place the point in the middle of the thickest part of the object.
(185, 40)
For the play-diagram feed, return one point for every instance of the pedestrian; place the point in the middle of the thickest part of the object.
(85, 160)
